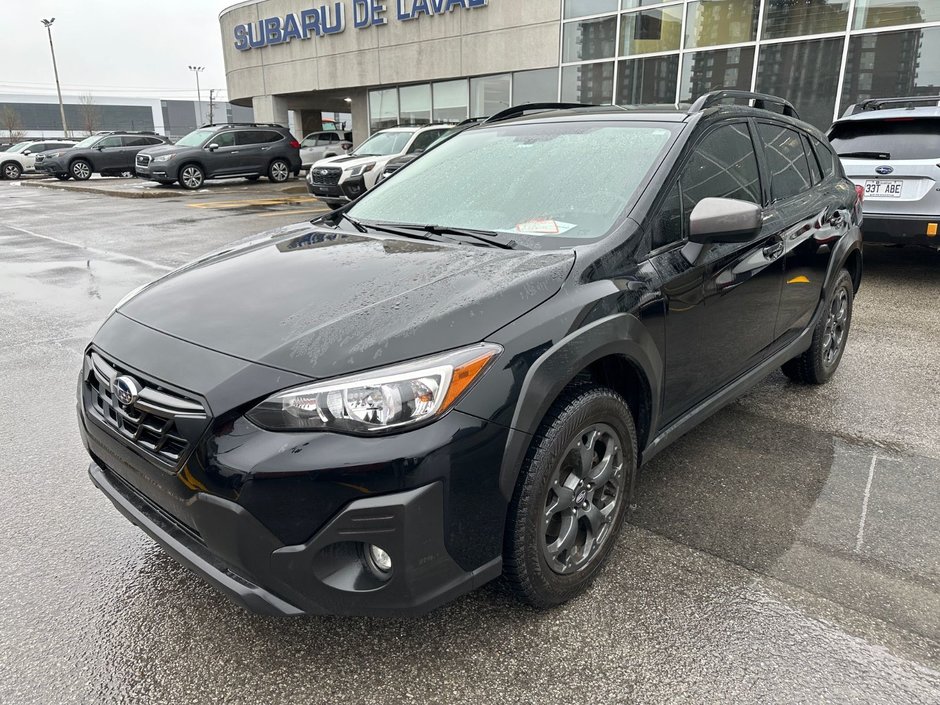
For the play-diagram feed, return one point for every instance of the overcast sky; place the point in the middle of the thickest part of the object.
(138, 48)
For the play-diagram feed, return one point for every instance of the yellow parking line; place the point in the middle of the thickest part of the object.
(297, 212)
(249, 203)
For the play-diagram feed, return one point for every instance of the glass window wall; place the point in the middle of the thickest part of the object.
(793, 19)
(647, 81)
(383, 109)
(451, 101)
(726, 22)
(590, 39)
(588, 83)
(705, 71)
(805, 73)
(415, 105)
(583, 8)
(870, 14)
(490, 94)
(534, 86)
(650, 31)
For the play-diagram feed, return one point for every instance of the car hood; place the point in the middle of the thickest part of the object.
(159, 149)
(348, 160)
(323, 303)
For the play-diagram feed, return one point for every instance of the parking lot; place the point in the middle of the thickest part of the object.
(786, 550)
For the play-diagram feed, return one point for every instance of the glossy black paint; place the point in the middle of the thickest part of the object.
(678, 331)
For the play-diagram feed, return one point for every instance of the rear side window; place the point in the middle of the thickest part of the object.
(789, 169)
(891, 138)
(825, 156)
(723, 165)
(153, 140)
(256, 137)
(136, 141)
(814, 169)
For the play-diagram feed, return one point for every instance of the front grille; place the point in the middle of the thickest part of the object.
(326, 176)
(143, 159)
(151, 421)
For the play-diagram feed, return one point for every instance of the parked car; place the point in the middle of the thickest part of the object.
(891, 148)
(394, 165)
(459, 375)
(106, 153)
(320, 145)
(341, 179)
(221, 151)
(20, 158)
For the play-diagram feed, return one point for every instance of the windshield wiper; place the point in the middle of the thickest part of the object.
(341, 215)
(487, 237)
(866, 155)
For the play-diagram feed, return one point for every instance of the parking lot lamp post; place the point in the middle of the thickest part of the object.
(55, 69)
(196, 70)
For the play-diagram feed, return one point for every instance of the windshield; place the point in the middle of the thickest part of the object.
(87, 142)
(892, 138)
(18, 147)
(570, 180)
(196, 138)
(382, 144)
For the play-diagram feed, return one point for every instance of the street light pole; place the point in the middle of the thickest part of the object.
(55, 69)
(197, 70)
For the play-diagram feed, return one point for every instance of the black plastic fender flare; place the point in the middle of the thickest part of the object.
(619, 334)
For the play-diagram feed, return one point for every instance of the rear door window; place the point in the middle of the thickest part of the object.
(825, 156)
(814, 169)
(246, 137)
(789, 168)
(889, 138)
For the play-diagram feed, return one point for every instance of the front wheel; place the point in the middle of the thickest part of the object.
(191, 177)
(821, 360)
(12, 171)
(279, 171)
(571, 496)
(81, 170)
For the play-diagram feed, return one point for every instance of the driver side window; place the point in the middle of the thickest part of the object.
(224, 139)
(723, 165)
(110, 142)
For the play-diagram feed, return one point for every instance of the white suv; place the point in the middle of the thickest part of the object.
(21, 157)
(891, 149)
(339, 180)
(320, 145)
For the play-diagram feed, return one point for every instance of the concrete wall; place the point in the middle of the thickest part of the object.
(507, 35)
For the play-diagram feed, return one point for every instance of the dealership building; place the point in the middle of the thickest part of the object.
(395, 62)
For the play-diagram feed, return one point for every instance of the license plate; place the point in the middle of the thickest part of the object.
(882, 188)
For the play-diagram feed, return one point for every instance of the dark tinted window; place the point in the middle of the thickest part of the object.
(723, 165)
(153, 140)
(789, 170)
(424, 140)
(256, 137)
(131, 141)
(902, 138)
(814, 170)
(825, 156)
(667, 225)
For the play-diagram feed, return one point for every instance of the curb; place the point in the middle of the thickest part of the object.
(141, 193)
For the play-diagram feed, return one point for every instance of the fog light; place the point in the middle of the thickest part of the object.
(380, 559)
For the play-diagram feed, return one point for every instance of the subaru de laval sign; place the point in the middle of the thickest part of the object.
(330, 18)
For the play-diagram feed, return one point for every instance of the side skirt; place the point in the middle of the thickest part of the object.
(730, 392)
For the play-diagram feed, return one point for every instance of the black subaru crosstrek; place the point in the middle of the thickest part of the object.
(390, 406)
(223, 151)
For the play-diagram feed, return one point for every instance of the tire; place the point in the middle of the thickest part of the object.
(80, 170)
(555, 503)
(63, 177)
(11, 171)
(191, 177)
(253, 178)
(279, 171)
(821, 360)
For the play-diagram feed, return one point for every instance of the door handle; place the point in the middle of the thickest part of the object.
(773, 251)
(265, 149)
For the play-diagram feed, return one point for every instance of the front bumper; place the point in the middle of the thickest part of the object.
(51, 166)
(160, 171)
(232, 551)
(904, 230)
(344, 192)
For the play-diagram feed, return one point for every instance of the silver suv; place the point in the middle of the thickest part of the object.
(891, 148)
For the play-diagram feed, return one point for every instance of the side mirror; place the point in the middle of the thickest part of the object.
(26, 152)
(724, 220)
(99, 147)
(212, 147)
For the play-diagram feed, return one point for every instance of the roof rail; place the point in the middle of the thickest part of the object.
(517, 110)
(879, 103)
(760, 101)
(244, 124)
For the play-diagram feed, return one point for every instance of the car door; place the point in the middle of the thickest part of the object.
(250, 154)
(108, 157)
(812, 206)
(721, 299)
(221, 156)
(29, 155)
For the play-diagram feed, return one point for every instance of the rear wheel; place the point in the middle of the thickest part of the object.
(192, 177)
(821, 360)
(11, 170)
(571, 496)
(80, 170)
(279, 171)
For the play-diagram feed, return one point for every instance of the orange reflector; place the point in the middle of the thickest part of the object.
(799, 280)
(464, 376)
(931, 229)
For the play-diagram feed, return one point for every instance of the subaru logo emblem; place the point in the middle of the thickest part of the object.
(323, 172)
(125, 390)
(884, 169)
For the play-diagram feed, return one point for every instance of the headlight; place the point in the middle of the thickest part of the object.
(164, 157)
(53, 155)
(363, 169)
(390, 398)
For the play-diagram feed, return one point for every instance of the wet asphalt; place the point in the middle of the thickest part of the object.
(787, 550)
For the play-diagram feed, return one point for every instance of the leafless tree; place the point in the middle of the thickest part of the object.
(10, 123)
(89, 114)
